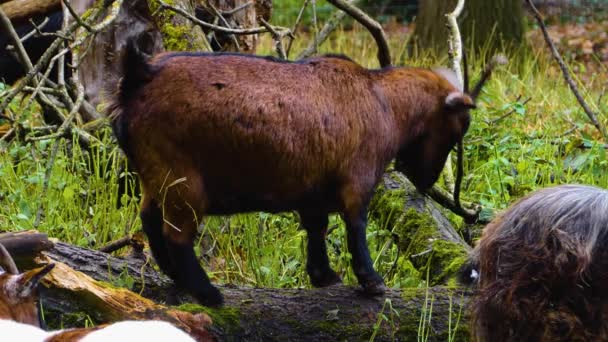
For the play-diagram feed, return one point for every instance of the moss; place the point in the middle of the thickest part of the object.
(445, 260)
(415, 230)
(224, 317)
(386, 206)
(418, 236)
(175, 37)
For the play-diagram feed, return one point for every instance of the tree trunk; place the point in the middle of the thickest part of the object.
(19, 11)
(334, 313)
(179, 33)
(491, 25)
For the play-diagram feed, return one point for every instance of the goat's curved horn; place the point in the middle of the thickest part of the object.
(7, 261)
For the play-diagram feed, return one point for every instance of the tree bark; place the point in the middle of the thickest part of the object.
(491, 25)
(334, 313)
(19, 11)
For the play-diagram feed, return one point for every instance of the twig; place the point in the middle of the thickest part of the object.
(468, 211)
(117, 244)
(76, 17)
(492, 122)
(384, 54)
(44, 59)
(592, 116)
(296, 26)
(236, 9)
(278, 38)
(36, 29)
(330, 25)
(226, 23)
(249, 31)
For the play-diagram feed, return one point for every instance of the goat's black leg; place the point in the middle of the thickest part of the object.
(370, 280)
(317, 261)
(152, 224)
(190, 276)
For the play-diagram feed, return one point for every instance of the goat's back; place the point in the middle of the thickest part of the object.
(269, 130)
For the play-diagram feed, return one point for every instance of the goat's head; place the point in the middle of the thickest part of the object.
(18, 292)
(441, 123)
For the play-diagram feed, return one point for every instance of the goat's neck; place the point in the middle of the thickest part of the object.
(413, 97)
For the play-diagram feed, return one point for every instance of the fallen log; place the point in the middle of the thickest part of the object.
(422, 232)
(334, 313)
(19, 11)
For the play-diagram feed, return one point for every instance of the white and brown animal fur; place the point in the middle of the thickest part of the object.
(19, 314)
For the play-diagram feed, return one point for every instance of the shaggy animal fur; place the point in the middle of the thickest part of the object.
(227, 133)
(543, 269)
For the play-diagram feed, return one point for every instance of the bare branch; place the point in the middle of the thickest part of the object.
(236, 9)
(592, 116)
(278, 38)
(455, 41)
(468, 211)
(256, 30)
(296, 26)
(330, 25)
(384, 54)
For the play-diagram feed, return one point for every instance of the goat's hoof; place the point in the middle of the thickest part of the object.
(325, 279)
(212, 297)
(374, 288)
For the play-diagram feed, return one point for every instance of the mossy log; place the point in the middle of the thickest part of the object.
(423, 232)
(253, 314)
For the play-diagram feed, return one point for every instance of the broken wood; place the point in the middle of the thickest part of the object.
(19, 11)
(338, 312)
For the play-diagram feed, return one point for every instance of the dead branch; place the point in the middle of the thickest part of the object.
(296, 25)
(384, 54)
(277, 37)
(255, 30)
(330, 25)
(592, 116)
(117, 244)
(468, 211)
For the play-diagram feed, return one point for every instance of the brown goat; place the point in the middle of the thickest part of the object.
(542, 269)
(220, 134)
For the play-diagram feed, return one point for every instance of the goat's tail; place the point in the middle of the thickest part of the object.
(468, 274)
(135, 72)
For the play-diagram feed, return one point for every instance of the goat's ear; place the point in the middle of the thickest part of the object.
(458, 101)
(28, 281)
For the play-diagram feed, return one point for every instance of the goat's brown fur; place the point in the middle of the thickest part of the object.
(223, 134)
(543, 269)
